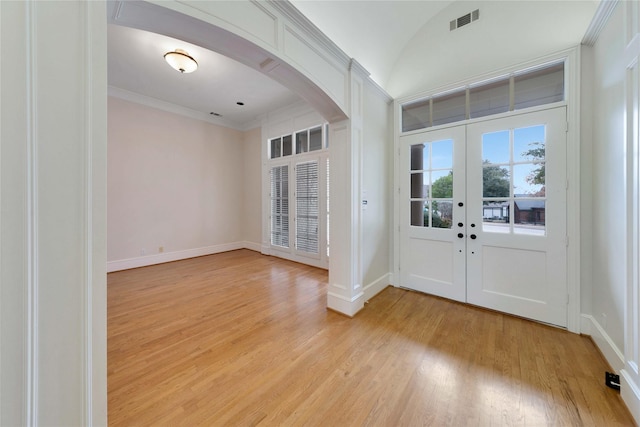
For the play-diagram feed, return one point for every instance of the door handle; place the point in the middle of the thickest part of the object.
(473, 237)
(460, 235)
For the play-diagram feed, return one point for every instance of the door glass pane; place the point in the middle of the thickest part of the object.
(495, 216)
(495, 147)
(415, 115)
(442, 154)
(315, 139)
(287, 145)
(419, 157)
(442, 213)
(539, 86)
(495, 181)
(442, 184)
(529, 144)
(420, 213)
(529, 217)
(528, 180)
(449, 108)
(490, 98)
(275, 148)
(302, 142)
(419, 185)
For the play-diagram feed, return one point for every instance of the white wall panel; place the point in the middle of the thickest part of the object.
(613, 177)
(301, 52)
(249, 18)
(377, 178)
(53, 265)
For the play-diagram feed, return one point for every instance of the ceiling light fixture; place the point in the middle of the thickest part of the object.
(181, 61)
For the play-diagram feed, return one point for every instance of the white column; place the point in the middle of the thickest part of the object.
(346, 293)
(52, 220)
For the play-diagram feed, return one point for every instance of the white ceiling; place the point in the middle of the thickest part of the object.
(373, 32)
(136, 66)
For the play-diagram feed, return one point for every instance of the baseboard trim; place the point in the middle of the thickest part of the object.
(346, 306)
(611, 352)
(630, 394)
(145, 261)
(377, 286)
(629, 390)
(257, 247)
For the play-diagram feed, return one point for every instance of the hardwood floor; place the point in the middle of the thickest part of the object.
(242, 339)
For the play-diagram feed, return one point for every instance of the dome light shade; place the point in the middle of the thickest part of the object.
(181, 61)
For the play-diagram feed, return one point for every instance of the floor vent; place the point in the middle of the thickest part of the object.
(464, 20)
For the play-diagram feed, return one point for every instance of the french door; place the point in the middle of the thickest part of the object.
(299, 213)
(483, 214)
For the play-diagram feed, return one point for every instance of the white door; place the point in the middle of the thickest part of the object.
(516, 195)
(432, 190)
(505, 245)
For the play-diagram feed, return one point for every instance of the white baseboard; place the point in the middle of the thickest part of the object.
(348, 307)
(257, 247)
(377, 286)
(590, 326)
(144, 261)
(630, 392)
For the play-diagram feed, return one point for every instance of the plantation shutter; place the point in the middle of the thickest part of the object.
(280, 206)
(328, 228)
(307, 207)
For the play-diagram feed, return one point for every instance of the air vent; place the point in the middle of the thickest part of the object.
(464, 20)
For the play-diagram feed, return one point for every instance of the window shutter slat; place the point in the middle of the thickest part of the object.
(307, 198)
(280, 206)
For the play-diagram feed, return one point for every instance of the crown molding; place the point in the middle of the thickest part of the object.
(604, 11)
(379, 91)
(137, 98)
(356, 67)
(310, 30)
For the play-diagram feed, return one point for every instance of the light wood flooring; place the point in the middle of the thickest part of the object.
(240, 339)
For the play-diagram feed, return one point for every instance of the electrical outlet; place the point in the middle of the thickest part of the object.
(603, 323)
(143, 252)
(160, 249)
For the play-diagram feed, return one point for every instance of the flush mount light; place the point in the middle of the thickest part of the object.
(181, 61)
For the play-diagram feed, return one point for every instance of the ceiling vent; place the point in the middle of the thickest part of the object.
(464, 20)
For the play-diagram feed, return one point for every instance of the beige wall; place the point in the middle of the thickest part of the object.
(252, 215)
(172, 181)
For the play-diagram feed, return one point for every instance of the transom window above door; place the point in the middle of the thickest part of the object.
(541, 85)
(303, 141)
